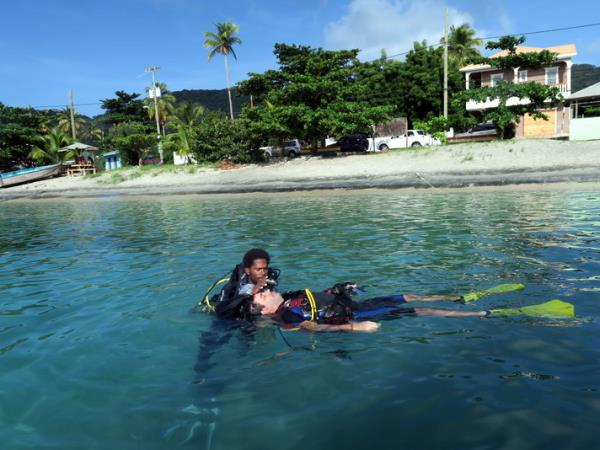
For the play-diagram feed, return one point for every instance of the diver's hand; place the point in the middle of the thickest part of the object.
(260, 285)
(365, 327)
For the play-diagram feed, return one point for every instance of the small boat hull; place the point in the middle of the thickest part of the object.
(28, 175)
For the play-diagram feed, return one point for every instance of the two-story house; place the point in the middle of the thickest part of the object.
(559, 75)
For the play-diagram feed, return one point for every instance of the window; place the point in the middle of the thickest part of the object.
(496, 77)
(522, 77)
(552, 76)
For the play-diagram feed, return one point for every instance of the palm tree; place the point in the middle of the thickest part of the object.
(462, 44)
(165, 104)
(49, 145)
(182, 141)
(185, 118)
(187, 113)
(64, 121)
(222, 42)
(91, 132)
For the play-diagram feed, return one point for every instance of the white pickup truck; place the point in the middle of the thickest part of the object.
(412, 138)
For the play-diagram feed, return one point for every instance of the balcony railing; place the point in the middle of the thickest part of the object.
(493, 103)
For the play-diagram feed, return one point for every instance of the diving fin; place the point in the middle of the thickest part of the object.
(553, 309)
(500, 289)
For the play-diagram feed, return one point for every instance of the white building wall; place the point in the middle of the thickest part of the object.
(585, 129)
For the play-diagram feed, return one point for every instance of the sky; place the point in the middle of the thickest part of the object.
(96, 47)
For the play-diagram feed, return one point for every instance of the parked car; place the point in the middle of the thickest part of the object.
(412, 138)
(293, 148)
(289, 149)
(483, 129)
(351, 143)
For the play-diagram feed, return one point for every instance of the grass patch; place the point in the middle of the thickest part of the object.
(135, 175)
(468, 157)
(116, 178)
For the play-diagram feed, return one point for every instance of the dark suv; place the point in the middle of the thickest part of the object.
(352, 143)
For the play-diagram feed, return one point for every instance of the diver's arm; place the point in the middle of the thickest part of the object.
(367, 327)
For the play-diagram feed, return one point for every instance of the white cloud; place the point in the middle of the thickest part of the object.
(393, 25)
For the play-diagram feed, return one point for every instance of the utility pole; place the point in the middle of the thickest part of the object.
(446, 63)
(72, 113)
(155, 93)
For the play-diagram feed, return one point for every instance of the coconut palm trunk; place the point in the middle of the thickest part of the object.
(228, 88)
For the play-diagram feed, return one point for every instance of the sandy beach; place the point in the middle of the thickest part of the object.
(457, 165)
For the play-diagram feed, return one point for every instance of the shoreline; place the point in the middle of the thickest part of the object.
(510, 163)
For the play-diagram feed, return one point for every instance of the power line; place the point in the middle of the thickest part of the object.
(59, 106)
(488, 38)
(550, 30)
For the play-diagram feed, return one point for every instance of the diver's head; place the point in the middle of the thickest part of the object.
(256, 264)
(265, 302)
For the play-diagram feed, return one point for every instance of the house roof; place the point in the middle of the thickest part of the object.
(563, 51)
(590, 91)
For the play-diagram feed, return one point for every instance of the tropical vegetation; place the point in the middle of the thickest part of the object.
(311, 94)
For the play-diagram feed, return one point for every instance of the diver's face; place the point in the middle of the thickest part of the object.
(258, 270)
(267, 301)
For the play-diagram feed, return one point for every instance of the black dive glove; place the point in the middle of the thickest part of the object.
(346, 288)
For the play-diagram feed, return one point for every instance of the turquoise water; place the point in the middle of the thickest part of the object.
(98, 347)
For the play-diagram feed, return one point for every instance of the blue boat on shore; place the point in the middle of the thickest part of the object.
(27, 175)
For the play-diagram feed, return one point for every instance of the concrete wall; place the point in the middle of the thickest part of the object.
(585, 129)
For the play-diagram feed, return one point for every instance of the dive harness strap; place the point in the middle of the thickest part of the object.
(205, 304)
(313, 304)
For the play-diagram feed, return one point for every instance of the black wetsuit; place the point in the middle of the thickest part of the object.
(337, 308)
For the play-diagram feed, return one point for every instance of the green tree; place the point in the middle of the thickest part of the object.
(185, 118)
(531, 97)
(19, 132)
(462, 44)
(421, 82)
(315, 93)
(64, 121)
(134, 140)
(382, 83)
(49, 145)
(187, 113)
(124, 108)
(219, 138)
(91, 132)
(222, 42)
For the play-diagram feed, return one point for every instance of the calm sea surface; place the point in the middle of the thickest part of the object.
(99, 347)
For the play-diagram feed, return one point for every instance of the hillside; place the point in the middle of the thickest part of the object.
(213, 99)
(584, 75)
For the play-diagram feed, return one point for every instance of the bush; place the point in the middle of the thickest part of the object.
(436, 126)
(219, 138)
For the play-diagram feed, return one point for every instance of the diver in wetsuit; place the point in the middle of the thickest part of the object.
(335, 310)
(248, 278)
